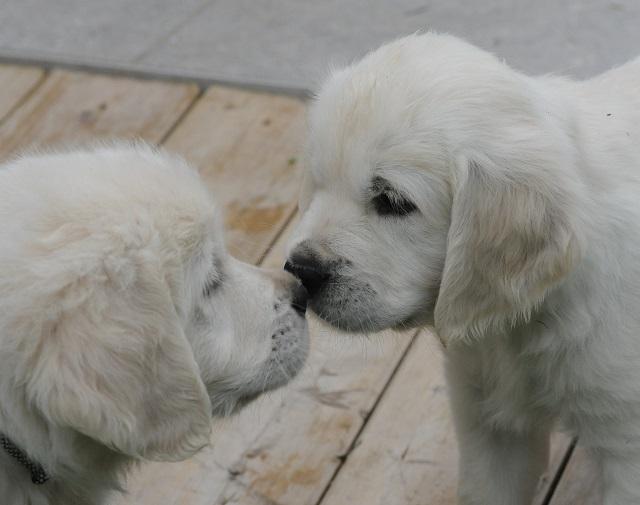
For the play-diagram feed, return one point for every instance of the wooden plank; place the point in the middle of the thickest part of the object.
(246, 145)
(16, 82)
(581, 482)
(407, 454)
(75, 107)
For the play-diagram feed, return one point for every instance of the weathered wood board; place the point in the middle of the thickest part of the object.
(74, 108)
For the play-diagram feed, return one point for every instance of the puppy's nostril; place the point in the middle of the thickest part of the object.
(299, 301)
(309, 273)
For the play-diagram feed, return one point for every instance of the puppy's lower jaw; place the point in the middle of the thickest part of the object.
(288, 353)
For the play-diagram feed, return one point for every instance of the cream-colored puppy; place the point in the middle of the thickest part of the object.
(125, 326)
(443, 187)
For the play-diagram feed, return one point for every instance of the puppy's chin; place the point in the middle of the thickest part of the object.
(366, 313)
(420, 319)
(349, 322)
(290, 347)
(228, 403)
(353, 318)
(363, 324)
(349, 304)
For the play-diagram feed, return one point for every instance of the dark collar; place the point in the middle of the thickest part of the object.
(38, 474)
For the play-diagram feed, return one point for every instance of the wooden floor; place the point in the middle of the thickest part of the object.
(368, 422)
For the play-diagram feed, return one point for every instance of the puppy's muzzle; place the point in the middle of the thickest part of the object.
(312, 273)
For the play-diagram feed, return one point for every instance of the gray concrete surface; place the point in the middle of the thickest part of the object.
(290, 44)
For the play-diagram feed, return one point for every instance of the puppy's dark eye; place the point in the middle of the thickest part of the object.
(387, 201)
(392, 204)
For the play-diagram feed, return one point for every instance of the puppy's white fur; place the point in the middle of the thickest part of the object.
(523, 251)
(124, 324)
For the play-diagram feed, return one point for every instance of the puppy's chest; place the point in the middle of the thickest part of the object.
(524, 382)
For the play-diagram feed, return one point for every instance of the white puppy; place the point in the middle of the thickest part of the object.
(443, 187)
(124, 324)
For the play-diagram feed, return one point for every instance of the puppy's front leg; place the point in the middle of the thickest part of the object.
(497, 467)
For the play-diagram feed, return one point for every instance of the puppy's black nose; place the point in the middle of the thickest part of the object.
(299, 301)
(309, 271)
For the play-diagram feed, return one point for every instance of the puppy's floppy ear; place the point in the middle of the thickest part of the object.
(115, 365)
(511, 239)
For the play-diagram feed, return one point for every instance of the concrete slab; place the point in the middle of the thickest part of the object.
(93, 31)
(291, 44)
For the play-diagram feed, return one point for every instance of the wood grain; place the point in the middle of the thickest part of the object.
(246, 146)
(74, 108)
(406, 454)
(16, 82)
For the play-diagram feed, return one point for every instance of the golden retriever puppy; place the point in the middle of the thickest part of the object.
(125, 326)
(444, 188)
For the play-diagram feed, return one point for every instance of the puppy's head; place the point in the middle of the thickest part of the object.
(440, 187)
(123, 317)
